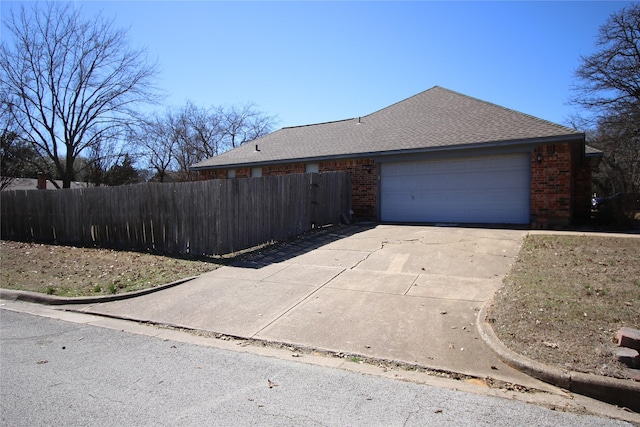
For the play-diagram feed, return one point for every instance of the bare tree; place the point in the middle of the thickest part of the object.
(206, 130)
(10, 163)
(187, 150)
(241, 124)
(191, 134)
(157, 143)
(98, 158)
(71, 82)
(8, 140)
(18, 159)
(608, 88)
(619, 171)
(609, 79)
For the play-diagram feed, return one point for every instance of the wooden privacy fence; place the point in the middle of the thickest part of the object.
(198, 218)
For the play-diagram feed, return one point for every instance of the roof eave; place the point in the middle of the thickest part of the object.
(527, 142)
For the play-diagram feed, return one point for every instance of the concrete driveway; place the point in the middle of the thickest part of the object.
(394, 292)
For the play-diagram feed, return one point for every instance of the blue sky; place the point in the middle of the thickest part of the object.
(309, 62)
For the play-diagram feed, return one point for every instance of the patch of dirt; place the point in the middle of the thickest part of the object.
(565, 299)
(70, 271)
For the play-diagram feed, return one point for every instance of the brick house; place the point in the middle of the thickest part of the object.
(438, 156)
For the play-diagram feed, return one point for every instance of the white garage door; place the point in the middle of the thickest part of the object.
(488, 189)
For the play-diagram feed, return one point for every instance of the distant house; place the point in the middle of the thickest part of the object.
(438, 156)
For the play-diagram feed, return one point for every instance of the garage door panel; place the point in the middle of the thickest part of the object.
(489, 189)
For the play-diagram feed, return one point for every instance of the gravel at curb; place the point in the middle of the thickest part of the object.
(38, 298)
(624, 393)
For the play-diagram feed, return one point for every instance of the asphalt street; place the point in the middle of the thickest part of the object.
(54, 372)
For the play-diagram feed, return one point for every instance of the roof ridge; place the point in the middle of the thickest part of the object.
(367, 115)
(506, 109)
(403, 100)
(317, 124)
(427, 90)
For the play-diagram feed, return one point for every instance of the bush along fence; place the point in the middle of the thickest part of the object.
(198, 218)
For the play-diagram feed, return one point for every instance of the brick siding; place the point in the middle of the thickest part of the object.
(282, 169)
(363, 179)
(582, 192)
(363, 184)
(222, 173)
(551, 186)
(212, 174)
(560, 185)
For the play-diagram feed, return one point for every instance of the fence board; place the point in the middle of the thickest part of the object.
(199, 218)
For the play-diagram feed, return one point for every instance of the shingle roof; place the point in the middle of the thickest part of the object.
(434, 119)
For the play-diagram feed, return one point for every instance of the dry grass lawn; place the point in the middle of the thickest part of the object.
(69, 271)
(565, 299)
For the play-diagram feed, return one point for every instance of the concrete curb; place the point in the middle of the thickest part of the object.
(38, 298)
(624, 393)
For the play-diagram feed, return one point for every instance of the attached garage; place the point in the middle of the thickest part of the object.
(484, 189)
(435, 157)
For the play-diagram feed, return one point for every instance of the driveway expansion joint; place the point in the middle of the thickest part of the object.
(284, 313)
